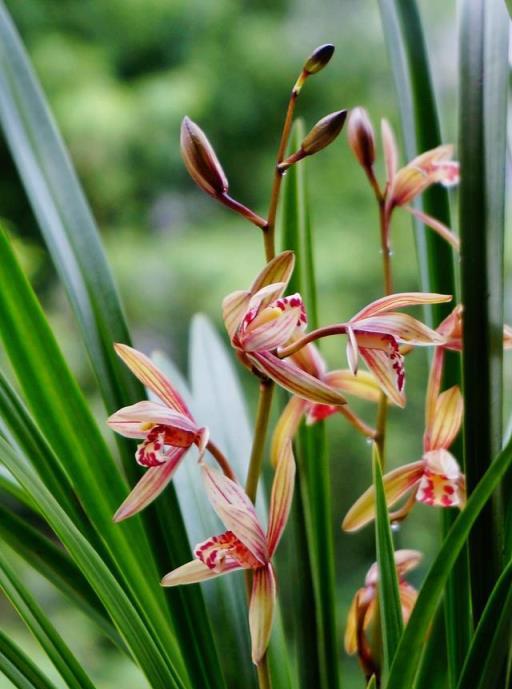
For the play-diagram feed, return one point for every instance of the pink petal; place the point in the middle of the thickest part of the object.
(281, 497)
(193, 572)
(261, 611)
(388, 369)
(279, 269)
(399, 301)
(272, 334)
(287, 426)
(405, 561)
(442, 483)
(437, 226)
(234, 308)
(433, 389)
(220, 552)
(363, 385)
(128, 420)
(352, 351)
(150, 486)
(149, 375)
(310, 360)
(404, 328)
(390, 150)
(396, 484)
(236, 511)
(289, 376)
(446, 420)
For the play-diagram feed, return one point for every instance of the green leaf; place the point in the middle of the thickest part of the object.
(486, 658)
(405, 664)
(63, 417)
(432, 672)
(130, 624)
(19, 669)
(484, 68)
(389, 598)
(38, 623)
(319, 653)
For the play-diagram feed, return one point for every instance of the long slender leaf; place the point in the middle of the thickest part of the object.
(311, 451)
(38, 623)
(486, 658)
(129, 622)
(389, 598)
(54, 564)
(19, 669)
(422, 131)
(63, 416)
(432, 672)
(482, 113)
(405, 664)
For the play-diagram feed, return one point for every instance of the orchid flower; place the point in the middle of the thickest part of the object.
(261, 319)
(362, 620)
(364, 386)
(403, 185)
(166, 428)
(376, 333)
(244, 545)
(436, 478)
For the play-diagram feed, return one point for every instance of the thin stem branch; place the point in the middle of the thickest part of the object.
(264, 674)
(221, 460)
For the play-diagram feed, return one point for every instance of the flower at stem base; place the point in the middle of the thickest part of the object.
(361, 633)
(166, 428)
(261, 319)
(244, 545)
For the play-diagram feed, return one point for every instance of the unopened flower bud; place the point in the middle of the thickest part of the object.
(319, 58)
(200, 159)
(361, 137)
(323, 133)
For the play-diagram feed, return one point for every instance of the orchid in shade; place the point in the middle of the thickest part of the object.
(405, 184)
(363, 386)
(245, 545)
(361, 632)
(451, 330)
(261, 319)
(166, 428)
(436, 479)
(376, 333)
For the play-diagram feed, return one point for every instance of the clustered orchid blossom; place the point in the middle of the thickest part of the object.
(361, 632)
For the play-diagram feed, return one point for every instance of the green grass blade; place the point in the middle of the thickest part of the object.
(322, 662)
(482, 113)
(38, 623)
(64, 418)
(53, 563)
(389, 598)
(422, 131)
(432, 673)
(19, 669)
(486, 658)
(405, 664)
(138, 637)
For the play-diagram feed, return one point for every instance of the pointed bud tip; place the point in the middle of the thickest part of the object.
(200, 159)
(319, 58)
(324, 132)
(361, 137)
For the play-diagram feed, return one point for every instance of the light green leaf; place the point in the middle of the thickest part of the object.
(19, 669)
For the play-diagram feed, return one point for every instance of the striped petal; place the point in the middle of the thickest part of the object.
(281, 497)
(133, 421)
(433, 389)
(272, 334)
(150, 485)
(390, 150)
(362, 385)
(149, 375)
(234, 308)
(408, 596)
(236, 511)
(447, 420)
(193, 572)
(405, 561)
(350, 639)
(287, 426)
(352, 351)
(441, 229)
(388, 370)
(292, 378)
(261, 611)
(399, 301)
(279, 269)
(396, 484)
(403, 327)
(442, 483)
(309, 359)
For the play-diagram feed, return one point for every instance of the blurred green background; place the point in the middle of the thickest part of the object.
(120, 75)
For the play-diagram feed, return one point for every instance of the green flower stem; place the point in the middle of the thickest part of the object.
(260, 432)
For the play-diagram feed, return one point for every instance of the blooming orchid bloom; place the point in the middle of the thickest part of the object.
(403, 185)
(363, 613)
(363, 386)
(245, 545)
(436, 478)
(261, 319)
(451, 330)
(376, 333)
(166, 428)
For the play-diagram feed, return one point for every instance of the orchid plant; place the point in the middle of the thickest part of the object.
(125, 532)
